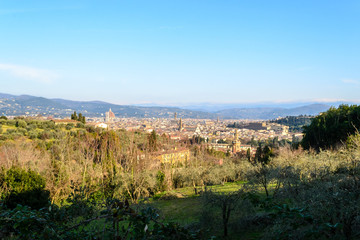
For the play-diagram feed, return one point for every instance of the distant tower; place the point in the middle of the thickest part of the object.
(180, 125)
(236, 144)
(107, 118)
(175, 115)
(218, 119)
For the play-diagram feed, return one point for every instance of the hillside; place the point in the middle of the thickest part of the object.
(271, 113)
(31, 105)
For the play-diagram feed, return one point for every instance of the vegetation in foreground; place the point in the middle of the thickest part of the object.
(76, 182)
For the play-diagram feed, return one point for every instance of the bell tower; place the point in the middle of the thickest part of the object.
(236, 144)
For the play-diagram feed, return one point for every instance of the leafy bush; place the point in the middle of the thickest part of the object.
(21, 124)
(22, 222)
(121, 222)
(69, 126)
(80, 125)
(25, 188)
(160, 181)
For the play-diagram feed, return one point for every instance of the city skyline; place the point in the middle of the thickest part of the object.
(181, 52)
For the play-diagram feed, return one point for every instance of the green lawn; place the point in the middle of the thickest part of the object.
(183, 210)
(188, 209)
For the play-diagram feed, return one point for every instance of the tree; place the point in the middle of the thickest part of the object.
(228, 203)
(152, 140)
(79, 117)
(74, 116)
(248, 154)
(21, 124)
(331, 128)
(264, 154)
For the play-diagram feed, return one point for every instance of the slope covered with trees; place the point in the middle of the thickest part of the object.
(332, 128)
(295, 123)
(85, 183)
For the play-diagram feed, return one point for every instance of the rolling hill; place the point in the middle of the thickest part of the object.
(13, 105)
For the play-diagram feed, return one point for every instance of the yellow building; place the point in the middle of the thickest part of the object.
(176, 156)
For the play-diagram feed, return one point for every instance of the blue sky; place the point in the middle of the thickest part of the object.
(181, 51)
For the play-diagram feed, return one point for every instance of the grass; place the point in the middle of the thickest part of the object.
(6, 127)
(188, 209)
(183, 210)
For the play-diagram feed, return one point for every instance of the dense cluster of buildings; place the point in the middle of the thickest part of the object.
(216, 133)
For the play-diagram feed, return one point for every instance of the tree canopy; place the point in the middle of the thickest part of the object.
(79, 118)
(331, 128)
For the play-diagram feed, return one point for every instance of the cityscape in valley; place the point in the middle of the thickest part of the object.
(179, 120)
(232, 136)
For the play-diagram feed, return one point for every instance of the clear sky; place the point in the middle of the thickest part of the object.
(181, 51)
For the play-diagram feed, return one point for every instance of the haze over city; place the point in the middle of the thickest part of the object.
(181, 52)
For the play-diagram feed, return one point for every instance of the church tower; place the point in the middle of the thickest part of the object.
(236, 144)
(180, 125)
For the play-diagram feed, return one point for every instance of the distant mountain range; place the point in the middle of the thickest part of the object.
(266, 113)
(30, 105)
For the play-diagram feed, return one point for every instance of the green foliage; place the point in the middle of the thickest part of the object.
(79, 117)
(323, 186)
(21, 124)
(22, 222)
(264, 154)
(160, 181)
(121, 222)
(219, 154)
(74, 116)
(332, 128)
(69, 126)
(295, 123)
(80, 125)
(152, 140)
(25, 188)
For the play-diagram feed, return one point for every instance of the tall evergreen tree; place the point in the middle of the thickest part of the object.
(74, 116)
(152, 139)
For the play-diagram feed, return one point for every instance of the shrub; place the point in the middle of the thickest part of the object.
(160, 181)
(33, 134)
(21, 124)
(80, 125)
(69, 126)
(25, 188)
(45, 135)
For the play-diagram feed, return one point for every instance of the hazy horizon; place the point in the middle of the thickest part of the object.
(215, 106)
